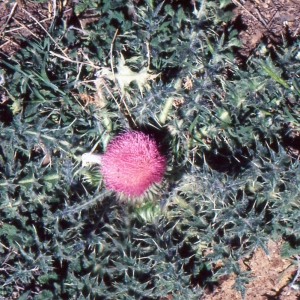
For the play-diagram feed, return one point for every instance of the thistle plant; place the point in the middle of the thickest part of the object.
(167, 65)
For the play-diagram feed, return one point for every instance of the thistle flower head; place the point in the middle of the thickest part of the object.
(132, 163)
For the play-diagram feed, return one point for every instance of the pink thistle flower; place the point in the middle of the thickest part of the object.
(132, 163)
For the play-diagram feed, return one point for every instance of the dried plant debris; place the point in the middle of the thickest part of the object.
(125, 76)
(26, 19)
(22, 19)
(269, 19)
(271, 275)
